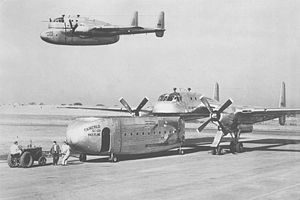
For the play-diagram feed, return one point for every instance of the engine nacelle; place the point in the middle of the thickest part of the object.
(245, 128)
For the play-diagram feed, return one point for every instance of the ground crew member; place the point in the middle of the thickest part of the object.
(66, 153)
(15, 150)
(55, 150)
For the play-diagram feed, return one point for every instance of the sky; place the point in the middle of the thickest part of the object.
(249, 47)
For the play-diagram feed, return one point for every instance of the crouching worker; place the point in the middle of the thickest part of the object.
(15, 150)
(66, 153)
(54, 151)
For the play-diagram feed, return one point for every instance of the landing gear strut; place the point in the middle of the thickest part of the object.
(180, 151)
(235, 145)
(113, 158)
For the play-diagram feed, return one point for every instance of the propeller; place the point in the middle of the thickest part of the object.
(135, 112)
(73, 27)
(215, 115)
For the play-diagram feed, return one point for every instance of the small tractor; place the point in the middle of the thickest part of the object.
(28, 156)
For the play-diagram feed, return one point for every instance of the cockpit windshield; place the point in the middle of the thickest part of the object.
(170, 97)
(60, 19)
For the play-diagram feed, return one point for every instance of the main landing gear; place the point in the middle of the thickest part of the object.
(235, 146)
(82, 157)
(113, 158)
(180, 151)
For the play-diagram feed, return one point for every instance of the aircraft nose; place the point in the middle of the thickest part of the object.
(43, 35)
(47, 36)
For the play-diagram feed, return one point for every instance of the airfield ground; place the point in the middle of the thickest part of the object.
(269, 169)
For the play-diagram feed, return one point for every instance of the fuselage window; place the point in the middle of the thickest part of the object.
(130, 133)
(124, 134)
(195, 98)
(137, 133)
(142, 133)
(191, 98)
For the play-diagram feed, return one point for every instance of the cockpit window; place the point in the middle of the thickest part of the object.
(170, 97)
(60, 19)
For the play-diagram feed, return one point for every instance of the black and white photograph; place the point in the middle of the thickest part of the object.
(148, 99)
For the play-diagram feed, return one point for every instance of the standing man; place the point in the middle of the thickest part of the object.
(15, 150)
(55, 150)
(66, 153)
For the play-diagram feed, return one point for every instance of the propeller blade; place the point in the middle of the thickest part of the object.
(203, 125)
(205, 102)
(140, 106)
(126, 105)
(225, 105)
(222, 128)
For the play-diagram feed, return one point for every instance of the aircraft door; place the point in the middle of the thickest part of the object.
(105, 142)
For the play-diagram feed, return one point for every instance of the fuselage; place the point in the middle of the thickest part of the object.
(125, 135)
(62, 31)
(183, 102)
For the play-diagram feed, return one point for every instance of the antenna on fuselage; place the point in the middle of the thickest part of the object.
(174, 89)
(189, 89)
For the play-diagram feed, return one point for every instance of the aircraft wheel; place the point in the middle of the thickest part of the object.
(82, 157)
(214, 151)
(114, 159)
(232, 147)
(219, 150)
(239, 147)
(180, 152)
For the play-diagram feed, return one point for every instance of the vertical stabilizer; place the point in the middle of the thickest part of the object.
(160, 25)
(135, 19)
(282, 103)
(216, 92)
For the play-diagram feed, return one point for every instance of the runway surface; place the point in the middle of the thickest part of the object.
(268, 169)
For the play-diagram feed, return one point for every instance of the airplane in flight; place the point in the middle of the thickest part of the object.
(163, 127)
(77, 30)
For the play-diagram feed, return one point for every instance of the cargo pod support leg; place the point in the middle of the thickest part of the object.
(113, 158)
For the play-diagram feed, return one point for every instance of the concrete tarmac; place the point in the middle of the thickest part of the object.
(268, 169)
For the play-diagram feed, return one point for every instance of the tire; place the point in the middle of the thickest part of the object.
(180, 152)
(42, 161)
(11, 162)
(82, 157)
(239, 147)
(219, 150)
(26, 160)
(213, 151)
(114, 159)
(232, 147)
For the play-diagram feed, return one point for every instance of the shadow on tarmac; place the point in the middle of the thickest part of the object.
(202, 144)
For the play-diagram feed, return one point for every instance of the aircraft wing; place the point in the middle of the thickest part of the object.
(251, 116)
(123, 30)
(101, 108)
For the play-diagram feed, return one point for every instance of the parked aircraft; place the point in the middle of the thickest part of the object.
(77, 30)
(162, 128)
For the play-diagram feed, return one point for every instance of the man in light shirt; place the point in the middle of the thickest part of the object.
(15, 150)
(66, 153)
